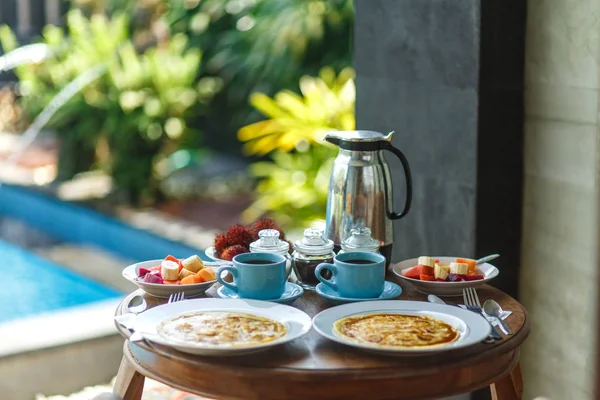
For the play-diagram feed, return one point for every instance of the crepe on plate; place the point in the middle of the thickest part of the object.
(396, 330)
(220, 329)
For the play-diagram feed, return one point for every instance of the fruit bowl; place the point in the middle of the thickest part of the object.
(444, 288)
(165, 290)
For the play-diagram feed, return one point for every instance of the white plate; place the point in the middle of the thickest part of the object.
(211, 253)
(445, 288)
(165, 290)
(297, 322)
(473, 328)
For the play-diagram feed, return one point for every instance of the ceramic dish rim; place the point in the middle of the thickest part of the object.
(398, 272)
(130, 270)
(465, 340)
(353, 299)
(304, 327)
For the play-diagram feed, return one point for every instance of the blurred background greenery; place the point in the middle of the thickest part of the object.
(258, 80)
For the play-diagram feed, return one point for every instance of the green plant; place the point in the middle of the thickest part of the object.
(261, 45)
(293, 186)
(138, 110)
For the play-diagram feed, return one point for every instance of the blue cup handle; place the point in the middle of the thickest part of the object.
(329, 282)
(233, 271)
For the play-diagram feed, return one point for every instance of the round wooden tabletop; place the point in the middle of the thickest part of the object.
(313, 367)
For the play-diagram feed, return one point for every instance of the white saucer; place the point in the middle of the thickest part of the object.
(390, 291)
(291, 293)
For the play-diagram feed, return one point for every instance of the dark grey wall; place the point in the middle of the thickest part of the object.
(447, 76)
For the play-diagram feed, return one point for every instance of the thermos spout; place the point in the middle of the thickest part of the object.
(332, 138)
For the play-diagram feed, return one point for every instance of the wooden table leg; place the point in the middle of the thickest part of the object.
(129, 383)
(510, 387)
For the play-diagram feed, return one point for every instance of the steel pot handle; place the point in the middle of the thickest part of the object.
(407, 176)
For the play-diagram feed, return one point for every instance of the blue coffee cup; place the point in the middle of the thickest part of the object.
(359, 275)
(259, 276)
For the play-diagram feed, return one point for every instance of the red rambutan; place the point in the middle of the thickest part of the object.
(265, 223)
(233, 251)
(221, 243)
(239, 234)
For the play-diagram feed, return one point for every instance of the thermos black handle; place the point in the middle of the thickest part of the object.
(407, 176)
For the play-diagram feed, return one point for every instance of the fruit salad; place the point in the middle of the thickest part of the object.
(173, 271)
(430, 269)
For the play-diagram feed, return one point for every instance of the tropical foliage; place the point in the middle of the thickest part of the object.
(130, 117)
(293, 185)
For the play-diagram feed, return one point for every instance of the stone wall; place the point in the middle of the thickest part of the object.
(447, 76)
(558, 275)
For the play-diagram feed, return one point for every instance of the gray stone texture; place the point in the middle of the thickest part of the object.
(447, 76)
(417, 64)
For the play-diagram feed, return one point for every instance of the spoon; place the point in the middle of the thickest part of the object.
(487, 259)
(493, 309)
(137, 304)
(432, 298)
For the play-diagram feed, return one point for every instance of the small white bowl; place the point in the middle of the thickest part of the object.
(165, 290)
(445, 288)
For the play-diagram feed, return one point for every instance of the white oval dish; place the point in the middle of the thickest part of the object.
(472, 327)
(297, 323)
(444, 288)
(211, 253)
(165, 290)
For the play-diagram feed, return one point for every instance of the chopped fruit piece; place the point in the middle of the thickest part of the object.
(473, 277)
(428, 261)
(183, 273)
(436, 261)
(417, 270)
(169, 270)
(189, 280)
(425, 277)
(412, 272)
(193, 263)
(176, 282)
(156, 268)
(470, 263)
(207, 274)
(454, 277)
(459, 268)
(425, 269)
(153, 278)
(142, 272)
(441, 271)
(171, 258)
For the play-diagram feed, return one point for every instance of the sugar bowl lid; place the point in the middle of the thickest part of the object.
(269, 242)
(360, 240)
(314, 242)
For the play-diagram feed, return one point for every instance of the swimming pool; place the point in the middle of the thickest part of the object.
(32, 285)
(33, 227)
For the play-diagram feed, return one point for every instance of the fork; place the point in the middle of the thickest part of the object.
(472, 303)
(175, 297)
(137, 337)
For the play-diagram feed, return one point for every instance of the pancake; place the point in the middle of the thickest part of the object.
(396, 331)
(220, 329)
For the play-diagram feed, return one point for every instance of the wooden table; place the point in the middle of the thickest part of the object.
(313, 367)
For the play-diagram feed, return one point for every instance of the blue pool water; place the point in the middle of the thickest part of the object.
(31, 285)
(33, 223)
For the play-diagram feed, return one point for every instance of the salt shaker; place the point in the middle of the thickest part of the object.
(269, 242)
(313, 249)
(360, 240)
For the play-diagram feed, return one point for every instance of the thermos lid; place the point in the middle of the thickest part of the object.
(269, 242)
(360, 240)
(358, 136)
(314, 242)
